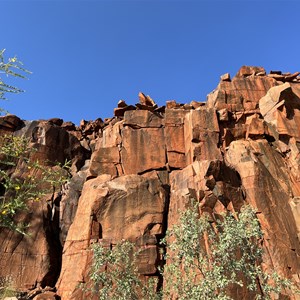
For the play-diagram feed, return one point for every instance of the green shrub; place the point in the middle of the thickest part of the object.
(23, 179)
(114, 274)
(7, 288)
(206, 259)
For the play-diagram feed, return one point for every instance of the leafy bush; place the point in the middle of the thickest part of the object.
(23, 179)
(206, 259)
(114, 274)
(7, 288)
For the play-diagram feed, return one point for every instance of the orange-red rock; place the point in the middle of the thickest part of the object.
(128, 207)
(265, 181)
(35, 259)
(243, 88)
(145, 166)
(142, 118)
(142, 150)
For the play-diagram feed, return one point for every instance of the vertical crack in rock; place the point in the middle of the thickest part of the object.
(52, 231)
(69, 201)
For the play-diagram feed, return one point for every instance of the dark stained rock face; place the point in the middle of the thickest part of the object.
(133, 174)
(35, 259)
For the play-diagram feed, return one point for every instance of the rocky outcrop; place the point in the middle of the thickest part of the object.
(128, 207)
(35, 259)
(133, 174)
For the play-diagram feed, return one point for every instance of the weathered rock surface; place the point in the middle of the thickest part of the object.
(147, 162)
(128, 207)
(10, 123)
(36, 259)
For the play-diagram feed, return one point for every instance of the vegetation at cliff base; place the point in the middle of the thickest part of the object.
(209, 260)
(204, 260)
(115, 276)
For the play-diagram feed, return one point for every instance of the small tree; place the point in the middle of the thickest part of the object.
(206, 259)
(115, 276)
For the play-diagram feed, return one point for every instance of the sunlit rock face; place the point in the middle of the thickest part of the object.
(133, 174)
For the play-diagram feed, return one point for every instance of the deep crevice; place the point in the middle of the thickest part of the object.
(52, 234)
(149, 170)
(162, 262)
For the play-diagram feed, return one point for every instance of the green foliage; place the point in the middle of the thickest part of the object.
(23, 179)
(114, 274)
(205, 259)
(14, 68)
(7, 288)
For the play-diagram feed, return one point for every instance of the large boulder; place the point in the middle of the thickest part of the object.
(265, 181)
(280, 108)
(128, 207)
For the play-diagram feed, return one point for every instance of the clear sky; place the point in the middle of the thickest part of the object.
(87, 55)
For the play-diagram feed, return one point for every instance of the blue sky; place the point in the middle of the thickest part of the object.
(87, 55)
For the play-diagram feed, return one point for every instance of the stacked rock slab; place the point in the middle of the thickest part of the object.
(148, 162)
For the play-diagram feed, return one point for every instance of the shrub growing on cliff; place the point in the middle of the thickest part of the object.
(205, 260)
(23, 179)
(114, 274)
(7, 288)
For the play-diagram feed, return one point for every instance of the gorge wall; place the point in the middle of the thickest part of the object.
(133, 174)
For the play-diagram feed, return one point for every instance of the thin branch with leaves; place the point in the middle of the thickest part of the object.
(12, 67)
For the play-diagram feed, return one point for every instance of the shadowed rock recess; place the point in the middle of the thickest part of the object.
(134, 173)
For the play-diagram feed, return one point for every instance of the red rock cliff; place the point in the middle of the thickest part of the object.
(241, 146)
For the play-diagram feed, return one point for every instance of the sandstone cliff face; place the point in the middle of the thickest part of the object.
(133, 175)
